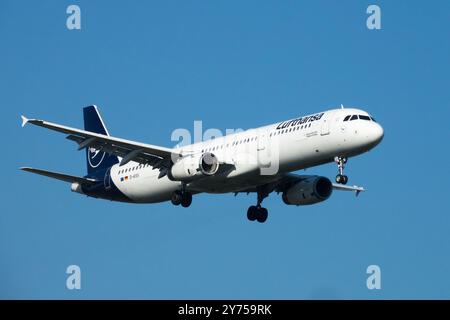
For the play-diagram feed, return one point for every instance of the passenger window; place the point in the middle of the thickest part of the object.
(354, 117)
(346, 118)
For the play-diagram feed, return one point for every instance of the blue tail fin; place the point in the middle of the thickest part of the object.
(96, 160)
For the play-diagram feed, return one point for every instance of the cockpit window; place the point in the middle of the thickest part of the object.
(354, 117)
(373, 119)
(362, 117)
(346, 118)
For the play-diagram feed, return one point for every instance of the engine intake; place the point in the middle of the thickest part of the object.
(209, 164)
(309, 191)
(193, 167)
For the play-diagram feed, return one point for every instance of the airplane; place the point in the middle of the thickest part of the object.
(260, 161)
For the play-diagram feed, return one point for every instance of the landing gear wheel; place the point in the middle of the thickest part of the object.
(341, 179)
(257, 212)
(177, 198)
(252, 213)
(344, 179)
(262, 215)
(186, 199)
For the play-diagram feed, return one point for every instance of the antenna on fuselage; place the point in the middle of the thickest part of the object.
(342, 106)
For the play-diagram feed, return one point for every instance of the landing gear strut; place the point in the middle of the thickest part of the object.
(341, 178)
(257, 212)
(182, 197)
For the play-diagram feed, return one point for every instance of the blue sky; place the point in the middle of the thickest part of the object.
(153, 67)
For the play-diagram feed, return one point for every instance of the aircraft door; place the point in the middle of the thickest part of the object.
(325, 125)
(263, 149)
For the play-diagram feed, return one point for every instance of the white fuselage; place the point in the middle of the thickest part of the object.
(259, 155)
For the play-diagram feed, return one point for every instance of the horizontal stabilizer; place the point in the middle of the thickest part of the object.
(60, 176)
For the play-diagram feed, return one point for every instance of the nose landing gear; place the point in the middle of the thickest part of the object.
(341, 178)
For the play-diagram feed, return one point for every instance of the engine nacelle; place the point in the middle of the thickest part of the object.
(309, 191)
(193, 167)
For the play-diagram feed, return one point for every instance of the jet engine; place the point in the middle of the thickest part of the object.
(311, 190)
(194, 166)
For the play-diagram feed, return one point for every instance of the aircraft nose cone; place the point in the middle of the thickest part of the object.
(377, 133)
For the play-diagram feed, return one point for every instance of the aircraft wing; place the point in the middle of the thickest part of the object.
(157, 157)
(60, 176)
(292, 178)
(284, 181)
(348, 188)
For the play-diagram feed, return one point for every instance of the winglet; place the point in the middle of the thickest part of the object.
(24, 120)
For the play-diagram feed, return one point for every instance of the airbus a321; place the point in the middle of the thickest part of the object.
(259, 161)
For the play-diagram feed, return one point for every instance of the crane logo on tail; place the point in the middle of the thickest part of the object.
(95, 157)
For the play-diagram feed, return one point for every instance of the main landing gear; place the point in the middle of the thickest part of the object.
(257, 212)
(341, 178)
(181, 197)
